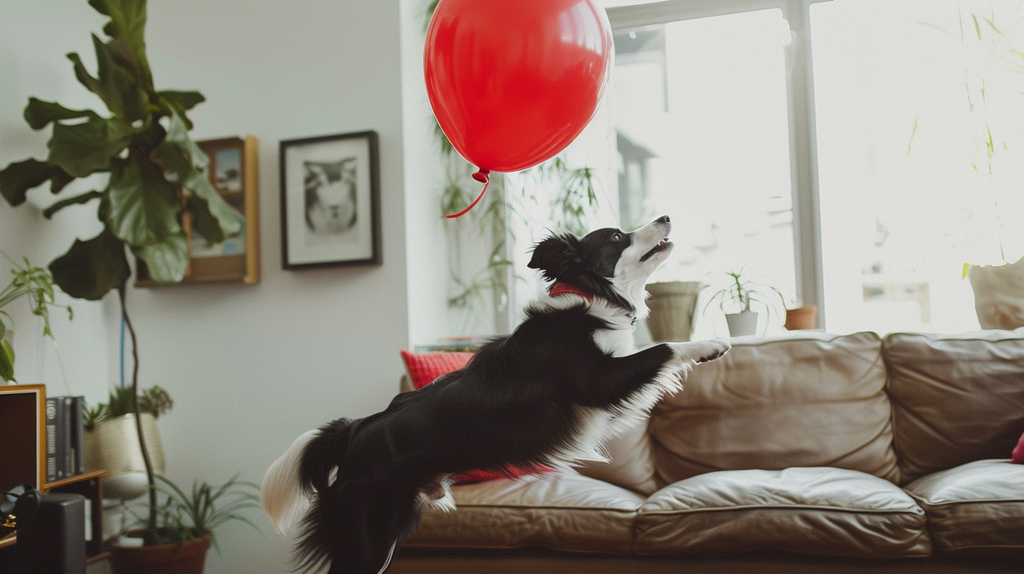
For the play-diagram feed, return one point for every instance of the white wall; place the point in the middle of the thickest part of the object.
(249, 367)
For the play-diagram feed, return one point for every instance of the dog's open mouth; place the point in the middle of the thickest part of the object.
(661, 246)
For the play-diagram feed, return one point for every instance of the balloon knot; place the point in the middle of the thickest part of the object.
(483, 176)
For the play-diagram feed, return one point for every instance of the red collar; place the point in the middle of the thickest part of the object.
(562, 288)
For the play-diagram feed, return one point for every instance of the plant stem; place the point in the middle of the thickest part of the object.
(150, 476)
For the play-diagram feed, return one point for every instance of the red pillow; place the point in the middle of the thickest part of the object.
(425, 368)
(1018, 453)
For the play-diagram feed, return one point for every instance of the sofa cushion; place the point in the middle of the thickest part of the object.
(630, 462)
(978, 505)
(774, 403)
(560, 510)
(826, 511)
(956, 398)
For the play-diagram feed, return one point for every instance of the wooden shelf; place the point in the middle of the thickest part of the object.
(23, 460)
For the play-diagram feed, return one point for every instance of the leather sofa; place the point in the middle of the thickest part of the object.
(806, 452)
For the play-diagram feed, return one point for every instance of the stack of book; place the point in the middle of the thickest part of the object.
(64, 437)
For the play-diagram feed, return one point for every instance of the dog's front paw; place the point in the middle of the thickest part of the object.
(701, 352)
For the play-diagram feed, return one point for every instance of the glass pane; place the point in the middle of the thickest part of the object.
(700, 115)
(919, 131)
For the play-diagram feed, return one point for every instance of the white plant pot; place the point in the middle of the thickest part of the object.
(742, 324)
(113, 446)
(999, 295)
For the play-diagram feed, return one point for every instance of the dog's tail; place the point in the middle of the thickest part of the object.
(282, 494)
(352, 518)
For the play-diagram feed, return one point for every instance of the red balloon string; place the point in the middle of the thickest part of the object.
(483, 176)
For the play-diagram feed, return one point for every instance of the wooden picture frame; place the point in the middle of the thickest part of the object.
(233, 173)
(330, 201)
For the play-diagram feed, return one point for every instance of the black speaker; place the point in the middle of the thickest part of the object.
(53, 541)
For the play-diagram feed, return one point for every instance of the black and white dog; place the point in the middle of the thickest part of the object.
(551, 393)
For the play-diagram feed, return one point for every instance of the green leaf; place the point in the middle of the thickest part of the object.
(6, 360)
(143, 205)
(92, 268)
(166, 261)
(78, 199)
(214, 217)
(19, 177)
(127, 29)
(39, 113)
(116, 86)
(183, 100)
(84, 78)
(85, 148)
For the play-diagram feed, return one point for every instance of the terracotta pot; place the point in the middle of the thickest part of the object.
(672, 307)
(188, 557)
(742, 324)
(805, 317)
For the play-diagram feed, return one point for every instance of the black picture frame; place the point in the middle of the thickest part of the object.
(330, 201)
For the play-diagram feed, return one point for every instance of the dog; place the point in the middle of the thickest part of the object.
(330, 192)
(550, 394)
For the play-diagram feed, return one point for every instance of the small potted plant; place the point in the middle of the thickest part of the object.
(111, 441)
(738, 298)
(36, 284)
(185, 526)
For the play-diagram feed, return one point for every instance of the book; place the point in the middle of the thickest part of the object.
(51, 437)
(77, 435)
(57, 439)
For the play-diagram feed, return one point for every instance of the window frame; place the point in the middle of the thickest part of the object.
(800, 98)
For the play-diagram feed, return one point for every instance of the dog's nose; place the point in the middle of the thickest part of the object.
(662, 219)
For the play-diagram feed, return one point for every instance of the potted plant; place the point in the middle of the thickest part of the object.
(801, 317)
(36, 284)
(186, 526)
(157, 176)
(740, 295)
(990, 229)
(111, 442)
(673, 305)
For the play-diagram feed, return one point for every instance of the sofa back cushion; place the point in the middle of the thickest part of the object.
(956, 398)
(775, 403)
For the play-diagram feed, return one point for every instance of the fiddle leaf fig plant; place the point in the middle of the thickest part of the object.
(156, 172)
(153, 174)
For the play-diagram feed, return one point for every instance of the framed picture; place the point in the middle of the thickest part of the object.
(233, 173)
(330, 201)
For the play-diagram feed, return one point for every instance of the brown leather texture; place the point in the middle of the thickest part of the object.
(562, 511)
(956, 399)
(825, 511)
(812, 400)
(630, 462)
(973, 506)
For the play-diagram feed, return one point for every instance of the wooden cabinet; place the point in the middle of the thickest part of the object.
(23, 461)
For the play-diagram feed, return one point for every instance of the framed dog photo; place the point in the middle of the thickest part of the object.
(330, 201)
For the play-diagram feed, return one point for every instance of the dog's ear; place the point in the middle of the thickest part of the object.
(551, 254)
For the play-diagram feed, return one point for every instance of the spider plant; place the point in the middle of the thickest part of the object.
(35, 283)
(198, 513)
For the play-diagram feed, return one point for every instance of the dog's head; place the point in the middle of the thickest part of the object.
(608, 263)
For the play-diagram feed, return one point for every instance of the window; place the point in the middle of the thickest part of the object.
(919, 110)
(851, 179)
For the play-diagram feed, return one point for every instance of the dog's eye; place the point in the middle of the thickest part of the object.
(617, 237)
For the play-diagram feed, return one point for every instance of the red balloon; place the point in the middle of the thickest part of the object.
(513, 83)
